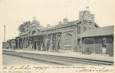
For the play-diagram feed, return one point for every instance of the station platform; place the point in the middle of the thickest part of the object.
(71, 54)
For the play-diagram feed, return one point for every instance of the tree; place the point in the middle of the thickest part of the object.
(24, 26)
(21, 28)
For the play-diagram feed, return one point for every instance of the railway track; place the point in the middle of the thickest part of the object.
(61, 60)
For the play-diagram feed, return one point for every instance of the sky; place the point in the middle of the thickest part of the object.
(15, 12)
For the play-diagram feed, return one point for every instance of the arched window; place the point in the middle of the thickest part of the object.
(33, 32)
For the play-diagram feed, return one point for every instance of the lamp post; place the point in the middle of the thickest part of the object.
(4, 33)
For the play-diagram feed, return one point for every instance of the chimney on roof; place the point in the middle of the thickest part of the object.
(34, 21)
(87, 8)
(48, 25)
(65, 21)
(59, 22)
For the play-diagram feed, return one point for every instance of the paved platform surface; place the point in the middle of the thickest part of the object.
(14, 60)
(71, 54)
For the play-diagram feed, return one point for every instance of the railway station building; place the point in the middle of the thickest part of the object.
(81, 35)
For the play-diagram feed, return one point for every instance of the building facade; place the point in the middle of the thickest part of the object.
(82, 35)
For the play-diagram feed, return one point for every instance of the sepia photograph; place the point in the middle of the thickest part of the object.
(57, 32)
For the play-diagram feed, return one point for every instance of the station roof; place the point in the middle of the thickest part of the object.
(69, 23)
(100, 31)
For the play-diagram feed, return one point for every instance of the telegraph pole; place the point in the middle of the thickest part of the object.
(4, 33)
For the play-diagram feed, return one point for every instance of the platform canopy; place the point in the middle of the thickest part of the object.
(100, 31)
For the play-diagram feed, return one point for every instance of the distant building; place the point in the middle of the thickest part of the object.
(82, 35)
